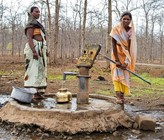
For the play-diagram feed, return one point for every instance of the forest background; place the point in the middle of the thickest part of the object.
(70, 24)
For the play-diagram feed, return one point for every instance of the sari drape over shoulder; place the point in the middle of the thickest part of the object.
(121, 77)
(36, 70)
(33, 23)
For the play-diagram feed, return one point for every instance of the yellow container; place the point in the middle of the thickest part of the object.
(63, 95)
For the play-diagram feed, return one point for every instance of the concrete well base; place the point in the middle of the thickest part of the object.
(103, 116)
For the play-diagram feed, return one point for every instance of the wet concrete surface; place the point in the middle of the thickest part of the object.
(120, 134)
(50, 103)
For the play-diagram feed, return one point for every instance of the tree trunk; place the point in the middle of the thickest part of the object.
(83, 26)
(49, 34)
(57, 6)
(161, 48)
(152, 41)
(12, 39)
(108, 38)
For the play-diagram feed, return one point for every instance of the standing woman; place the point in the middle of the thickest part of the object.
(124, 53)
(35, 53)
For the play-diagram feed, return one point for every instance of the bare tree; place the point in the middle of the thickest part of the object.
(78, 14)
(49, 32)
(12, 20)
(108, 38)
(149, 7)
(56, 31)
(125, 5)
(2, 31)
(161, 37)
(84, 24)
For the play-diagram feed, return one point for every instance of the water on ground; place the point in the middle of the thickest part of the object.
(120, 134)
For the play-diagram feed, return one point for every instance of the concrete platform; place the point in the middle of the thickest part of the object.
(100, 115)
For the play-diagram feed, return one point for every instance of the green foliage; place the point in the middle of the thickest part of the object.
(60, 77)
(71, 77)
(157, 81)
(141, 91)
(54, 77)
(10, 73)
(139, 88)
(156, 87)
(4, 73)
(153, 80)
(105, 92)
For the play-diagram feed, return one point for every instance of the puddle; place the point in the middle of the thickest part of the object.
(133, 110)
(4, 98)
(50, 103)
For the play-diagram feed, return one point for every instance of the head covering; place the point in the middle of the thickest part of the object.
(133, 47)
(33, 23)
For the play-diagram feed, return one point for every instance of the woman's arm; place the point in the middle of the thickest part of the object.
(115, 49)
(31, 43)
(129, 42)
(30, 38)
(118, 63)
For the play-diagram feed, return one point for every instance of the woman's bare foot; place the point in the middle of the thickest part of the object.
(120, 98)
(38, 96)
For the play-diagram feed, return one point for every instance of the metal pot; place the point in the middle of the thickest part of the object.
(24, 95)
(63, 96)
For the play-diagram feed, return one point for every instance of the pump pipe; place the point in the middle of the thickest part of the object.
(68, 73)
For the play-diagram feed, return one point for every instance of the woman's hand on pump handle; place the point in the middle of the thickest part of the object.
(122, 66)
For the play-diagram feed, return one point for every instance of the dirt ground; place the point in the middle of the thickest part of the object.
(12, 72)
(145, 97)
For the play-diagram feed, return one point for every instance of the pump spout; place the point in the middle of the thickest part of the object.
(68, 73)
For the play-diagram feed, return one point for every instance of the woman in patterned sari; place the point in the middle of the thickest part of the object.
(124, 53)
(35, 53)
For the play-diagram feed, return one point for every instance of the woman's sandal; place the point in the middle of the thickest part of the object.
(119, 101)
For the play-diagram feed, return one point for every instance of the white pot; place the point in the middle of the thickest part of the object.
(23, 94)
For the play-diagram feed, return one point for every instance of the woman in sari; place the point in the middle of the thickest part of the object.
(35, 53)
(124, 53)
